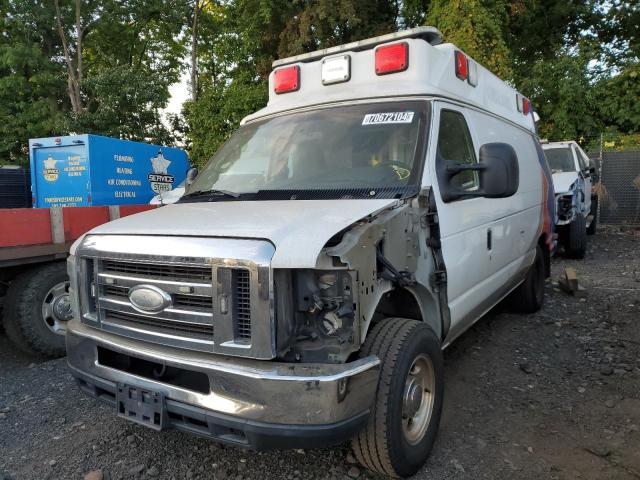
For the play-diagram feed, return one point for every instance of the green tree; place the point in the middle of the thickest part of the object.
(619, 99)
(325, 23)
(31, 85)
(563, 95)
(131, 55)
(476, 26)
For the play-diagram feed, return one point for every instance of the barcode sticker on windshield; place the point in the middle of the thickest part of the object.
(386, 118)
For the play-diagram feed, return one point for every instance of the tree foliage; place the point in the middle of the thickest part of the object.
(105, 66)
(87, 66)
(476, 26)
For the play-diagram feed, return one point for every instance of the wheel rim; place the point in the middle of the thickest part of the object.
(418, 399)
(56, 308)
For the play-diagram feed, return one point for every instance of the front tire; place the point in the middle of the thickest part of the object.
(405, 417)
(37, 309)
(576, 241)
(593, 226)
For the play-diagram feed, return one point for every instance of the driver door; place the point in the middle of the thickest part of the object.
(465, 224)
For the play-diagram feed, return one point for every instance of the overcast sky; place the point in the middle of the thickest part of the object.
(179, 93)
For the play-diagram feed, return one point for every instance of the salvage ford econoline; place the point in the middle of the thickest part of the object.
(302, 290)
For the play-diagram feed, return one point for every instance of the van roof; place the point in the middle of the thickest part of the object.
(430, 71)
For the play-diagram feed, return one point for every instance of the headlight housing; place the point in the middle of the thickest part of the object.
(322, 315)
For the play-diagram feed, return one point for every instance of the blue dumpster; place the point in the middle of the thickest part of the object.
(83, 170)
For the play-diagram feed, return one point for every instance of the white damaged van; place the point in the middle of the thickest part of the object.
(302, 290)
(577, 203)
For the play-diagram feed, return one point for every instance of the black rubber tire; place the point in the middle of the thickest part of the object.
(576, 240)
(529, 296)
(593, 227)
(23, 320)
(381, 445)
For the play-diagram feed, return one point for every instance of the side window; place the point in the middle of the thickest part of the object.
(456, 146)
(586, 160)
(581, 161)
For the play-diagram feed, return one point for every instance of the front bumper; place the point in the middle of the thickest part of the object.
(250, 403)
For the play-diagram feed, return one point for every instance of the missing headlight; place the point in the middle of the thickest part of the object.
(323, 316)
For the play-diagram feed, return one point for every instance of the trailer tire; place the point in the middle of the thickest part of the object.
(576, 240)
(410, 389)
(28, 297)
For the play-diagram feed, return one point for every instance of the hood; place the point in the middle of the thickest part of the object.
(562, 181)
(298, 229)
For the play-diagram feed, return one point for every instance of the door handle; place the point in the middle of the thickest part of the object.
(489, 239)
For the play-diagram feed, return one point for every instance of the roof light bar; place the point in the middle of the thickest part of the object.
(286, 79)
(430, 34)
(336, 69)
(392, 58)
(462, 65)
(473, 73)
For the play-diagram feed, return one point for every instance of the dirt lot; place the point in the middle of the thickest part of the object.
(551, 395)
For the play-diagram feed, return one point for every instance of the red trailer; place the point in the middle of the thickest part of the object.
(34, 244)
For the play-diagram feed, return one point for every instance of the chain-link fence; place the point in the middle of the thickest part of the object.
(618, 187)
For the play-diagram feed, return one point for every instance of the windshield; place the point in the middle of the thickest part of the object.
(560, 159)
(370, 150)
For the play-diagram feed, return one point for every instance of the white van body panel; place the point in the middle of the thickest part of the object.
(298, 228)
(479, 276)
(430, 72)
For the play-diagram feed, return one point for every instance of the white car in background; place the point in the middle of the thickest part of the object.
(577, 204)
(167, 198)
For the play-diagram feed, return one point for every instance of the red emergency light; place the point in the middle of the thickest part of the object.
(392, 58)
(526, 106)
(462, 65)
(286, 79)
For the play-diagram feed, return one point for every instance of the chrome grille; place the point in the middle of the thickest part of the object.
(217, 299)
(127, 320)
(179, 300)
(188, 322)
(173, 272)
(242, 304)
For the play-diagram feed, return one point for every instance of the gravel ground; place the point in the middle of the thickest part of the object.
(552, 395)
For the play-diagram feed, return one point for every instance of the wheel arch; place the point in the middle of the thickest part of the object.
(414, 302)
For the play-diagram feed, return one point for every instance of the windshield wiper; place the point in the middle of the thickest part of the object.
(212, 192)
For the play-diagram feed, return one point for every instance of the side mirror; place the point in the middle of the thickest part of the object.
(498, 170)
(501, 176)
(192, 173)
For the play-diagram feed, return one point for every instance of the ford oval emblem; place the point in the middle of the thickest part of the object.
(149, 298)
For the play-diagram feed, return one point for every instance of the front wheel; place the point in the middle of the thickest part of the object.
(37, 310)
(593, 226)
(404, 419)
(576, 239)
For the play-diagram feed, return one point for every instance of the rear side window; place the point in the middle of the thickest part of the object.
(456, 146)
